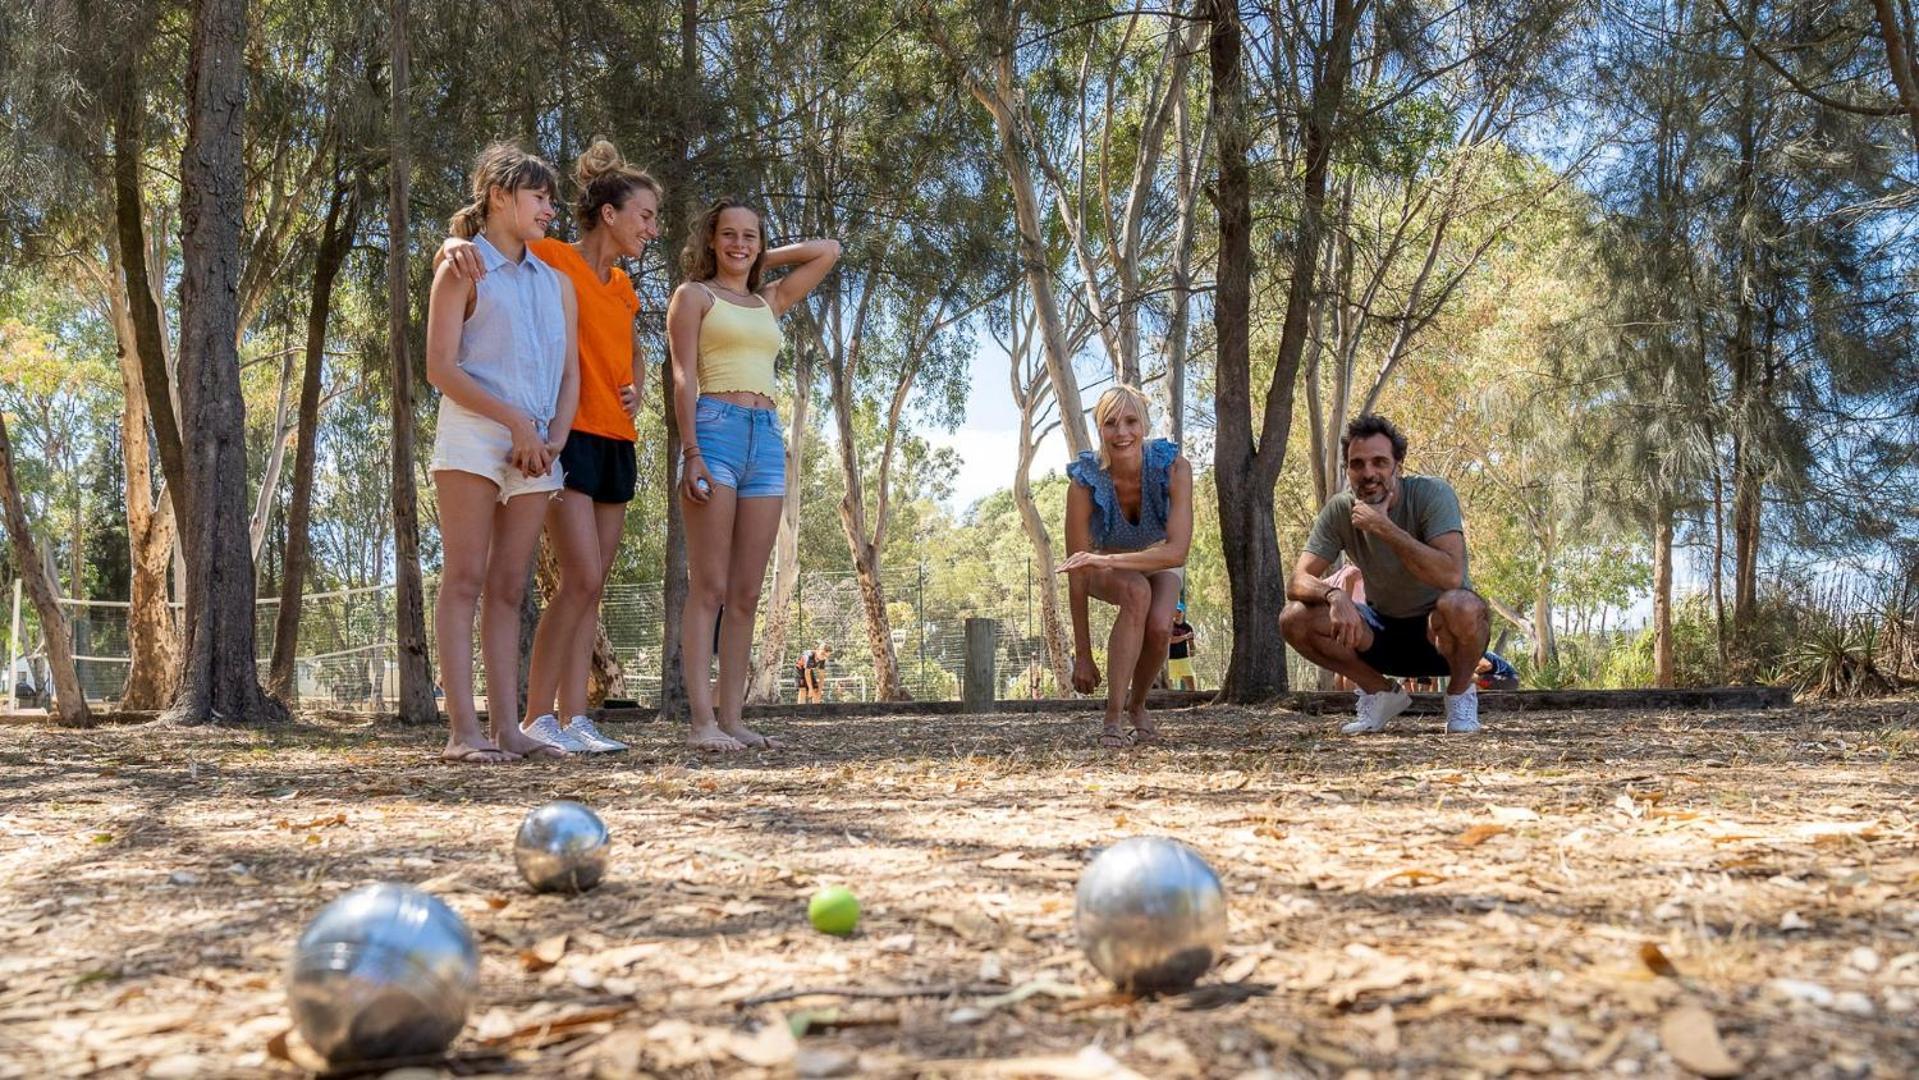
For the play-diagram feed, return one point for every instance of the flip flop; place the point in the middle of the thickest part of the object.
(1148, 737)
(478, 755)
(1115, 740)
(545, 752)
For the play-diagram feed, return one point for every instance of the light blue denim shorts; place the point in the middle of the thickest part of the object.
(743, 447)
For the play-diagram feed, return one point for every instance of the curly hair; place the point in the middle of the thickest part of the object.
(1367, 425)
(697, 258)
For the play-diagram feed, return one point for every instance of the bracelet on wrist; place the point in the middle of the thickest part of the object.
(689, 451)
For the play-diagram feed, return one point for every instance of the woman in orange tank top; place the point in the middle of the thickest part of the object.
(617, 211)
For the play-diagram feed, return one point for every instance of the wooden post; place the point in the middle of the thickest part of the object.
(13, 653)
(979, 688)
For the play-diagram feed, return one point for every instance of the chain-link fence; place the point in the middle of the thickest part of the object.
(346, 658)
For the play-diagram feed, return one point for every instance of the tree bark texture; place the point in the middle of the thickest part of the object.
(1662, 664)
(220, 682)
(142, 290)
(415, 704)
(1246, 471)
(336, 239)
(778, 627)
(674, 584)
(153, 634)
(72, 701)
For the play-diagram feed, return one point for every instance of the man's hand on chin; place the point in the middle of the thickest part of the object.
(1371, 519)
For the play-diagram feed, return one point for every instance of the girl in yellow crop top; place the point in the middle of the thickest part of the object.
(723, 334)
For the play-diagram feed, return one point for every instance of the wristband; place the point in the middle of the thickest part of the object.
(689, 451)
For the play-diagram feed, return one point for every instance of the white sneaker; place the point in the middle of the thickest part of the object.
(596, 743)
(1462, 712)
(547, 729)
(1376, 709)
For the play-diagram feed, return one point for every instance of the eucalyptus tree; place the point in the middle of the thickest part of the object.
(1312, 44)
(220, 681)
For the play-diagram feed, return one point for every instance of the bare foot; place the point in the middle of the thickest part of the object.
(475, 753)
(515, 741)
(747, 737)
(710, 738)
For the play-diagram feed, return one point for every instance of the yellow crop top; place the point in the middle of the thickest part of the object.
(738, 345)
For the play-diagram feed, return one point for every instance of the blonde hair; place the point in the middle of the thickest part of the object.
(503, 165)
(605, 179)
(697, 258)
(1121, 396)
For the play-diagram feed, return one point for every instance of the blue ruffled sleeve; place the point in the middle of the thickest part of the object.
(1160, 454)
(1084, 470)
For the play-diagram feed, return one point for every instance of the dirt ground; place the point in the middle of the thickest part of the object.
(1572, 893)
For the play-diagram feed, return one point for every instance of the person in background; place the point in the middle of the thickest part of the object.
(1179, 652)
(810, 671)
(1495, 673)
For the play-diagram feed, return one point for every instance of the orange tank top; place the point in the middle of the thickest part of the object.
(607, 309)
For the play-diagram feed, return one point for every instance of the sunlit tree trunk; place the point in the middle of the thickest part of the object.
(72, 703)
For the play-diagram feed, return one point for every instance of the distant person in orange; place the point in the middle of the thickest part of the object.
(616, 212)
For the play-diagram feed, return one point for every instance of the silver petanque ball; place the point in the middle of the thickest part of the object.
(1151, 915)
(385, 971)
(561, 847)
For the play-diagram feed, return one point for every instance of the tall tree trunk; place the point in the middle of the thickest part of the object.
(416, 704)
(152, 632)
(841, 363)
(40, 586)
(1662, 644)
(285, 422)
(221, 682)
(142, 285)
(1059, 646)
(336, 239)
(1744, 361)
(1192, 157)
(1246, 472)
(673, 585)
(786, 551)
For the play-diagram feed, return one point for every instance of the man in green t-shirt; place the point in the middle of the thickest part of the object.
(1421, 617)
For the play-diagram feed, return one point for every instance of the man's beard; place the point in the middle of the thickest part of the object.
(1376, 495)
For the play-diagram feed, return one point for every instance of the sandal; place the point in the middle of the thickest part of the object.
(1148, 737)
(1115, 740)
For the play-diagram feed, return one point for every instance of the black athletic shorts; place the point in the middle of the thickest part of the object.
(600, 468)
(1402, 648)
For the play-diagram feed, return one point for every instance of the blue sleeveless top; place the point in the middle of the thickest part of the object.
(1111, 530)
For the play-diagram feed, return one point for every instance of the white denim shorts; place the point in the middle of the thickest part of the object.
(470, 443)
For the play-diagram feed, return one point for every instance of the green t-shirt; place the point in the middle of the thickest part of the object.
(1426, 508)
